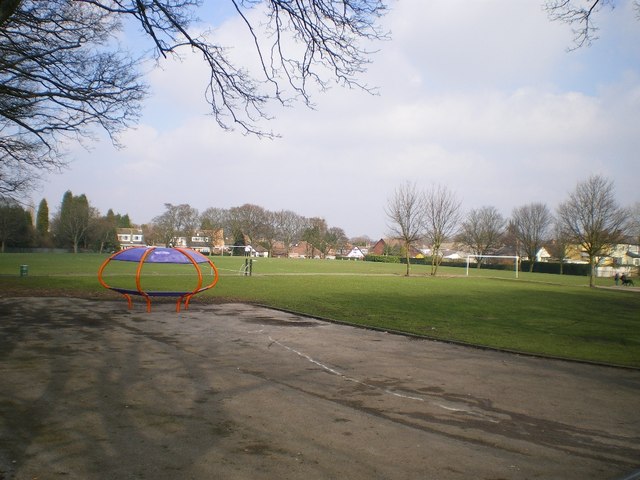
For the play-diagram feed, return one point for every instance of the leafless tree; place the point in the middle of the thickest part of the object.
(559, 245)
(249, 221)
(102, 230)
(188, 221)
(177, 220)
(482, 231)
(58, 81)
(61, 74)
(289, 226)
(361, 241)
(406, 214)
(269, 232)
(336, 238)
(213, 218)
(531, 224)
(258, 224)
(591, 218)
(579, 15)
(315, 234)
(634, 223)
(442, 216)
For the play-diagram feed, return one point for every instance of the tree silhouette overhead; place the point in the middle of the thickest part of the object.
(62, 73)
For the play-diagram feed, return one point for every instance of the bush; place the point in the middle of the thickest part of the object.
(579, 269)
(382, 258)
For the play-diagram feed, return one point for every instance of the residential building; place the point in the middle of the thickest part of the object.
(130, 237)
(203, 241)
(357, 253)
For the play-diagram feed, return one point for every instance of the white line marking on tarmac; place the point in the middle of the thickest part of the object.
(387, 391)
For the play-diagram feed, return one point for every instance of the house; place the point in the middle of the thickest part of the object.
(451, 251)
(454, 255)
(621, 258)
(130, 237)
(203, 241)
(543, 255)
(357, 253)
(392, 246)
(278, 250)
(259, 251)
(304, 250)
(625, 254)
(378, 248)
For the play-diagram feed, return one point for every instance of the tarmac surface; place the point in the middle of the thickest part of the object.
(91, 390)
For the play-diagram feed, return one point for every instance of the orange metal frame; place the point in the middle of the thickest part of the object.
(182, 296)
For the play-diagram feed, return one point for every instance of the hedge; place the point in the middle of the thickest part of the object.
(579, 269)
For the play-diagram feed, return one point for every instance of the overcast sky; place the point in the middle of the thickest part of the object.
(481, 96)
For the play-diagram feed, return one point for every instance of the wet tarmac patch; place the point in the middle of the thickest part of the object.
(279, 322)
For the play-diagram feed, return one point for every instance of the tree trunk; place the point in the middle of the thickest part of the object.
(592, 271)
(435, 259)
(406, 249)
(435, 262)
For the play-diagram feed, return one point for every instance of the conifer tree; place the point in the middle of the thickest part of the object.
(73, 221)
(42, 223)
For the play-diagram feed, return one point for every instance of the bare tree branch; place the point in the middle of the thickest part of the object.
(580, 15)
(442, 215)
(406, 213)
(57, 82)
(62, 74)
(482, 231)
(591, 218)
(531, 224)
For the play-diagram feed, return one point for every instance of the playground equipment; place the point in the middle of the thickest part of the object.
(145, 255)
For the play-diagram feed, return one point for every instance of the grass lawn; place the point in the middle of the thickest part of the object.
(536, 313)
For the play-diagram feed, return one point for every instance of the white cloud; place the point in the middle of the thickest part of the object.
(480, 96)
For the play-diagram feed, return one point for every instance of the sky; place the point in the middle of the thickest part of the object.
(482, 97)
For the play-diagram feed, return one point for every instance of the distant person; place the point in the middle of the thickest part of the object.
(616, 278)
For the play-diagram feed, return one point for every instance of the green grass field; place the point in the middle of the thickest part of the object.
(536, 313)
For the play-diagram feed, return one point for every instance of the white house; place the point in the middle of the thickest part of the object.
(130, 237)
(357, 253)
(543, 255)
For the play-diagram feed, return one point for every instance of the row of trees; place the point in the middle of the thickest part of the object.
(590, 218)
(75, 225)
(246, 224)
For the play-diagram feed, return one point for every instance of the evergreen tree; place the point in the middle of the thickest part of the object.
(73, 221)
(42, 223)
(15, 224)
(123, 221)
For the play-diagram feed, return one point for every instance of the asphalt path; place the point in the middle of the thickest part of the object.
(91, 390)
